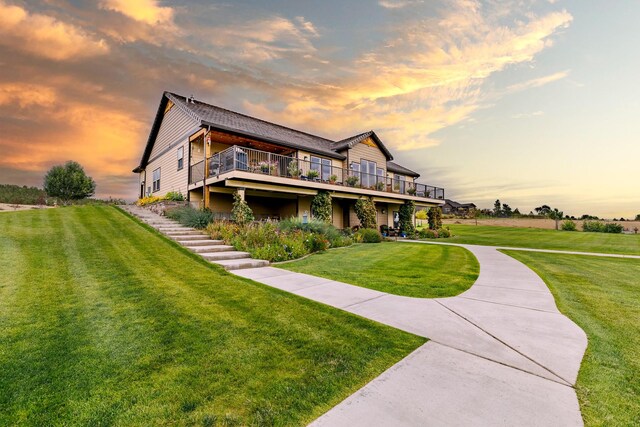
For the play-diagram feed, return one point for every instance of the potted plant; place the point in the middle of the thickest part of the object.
(264, 167)
(333, 179)
(293, 169)
(379, 185)
(352, 181)
(411, 191)
(312, 174)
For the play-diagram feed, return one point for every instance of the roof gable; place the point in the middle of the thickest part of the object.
(350, 142)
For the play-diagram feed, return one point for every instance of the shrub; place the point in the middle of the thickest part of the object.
(568, 225)
(612, 228)
(427, 233)
(337, 238)
(406, 217)
(444, 233)
(316, 243)
(189, 217)
(24, 195)
(174, 196)
(368, 235)
(241, 213)
(321, 206)
(593, 226)
(148, 200)
(366, 212)
(435, 218)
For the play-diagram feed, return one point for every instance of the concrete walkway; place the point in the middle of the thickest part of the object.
(499, 354)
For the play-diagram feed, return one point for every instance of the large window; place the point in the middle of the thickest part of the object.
(323, 166)
(368, 169)
(180, 158)
(156, 180)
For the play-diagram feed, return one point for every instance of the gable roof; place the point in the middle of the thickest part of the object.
(457, 205)
(396, 168)
(353, 140)
(204, 114)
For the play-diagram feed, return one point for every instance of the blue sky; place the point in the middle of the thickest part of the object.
(529, 101)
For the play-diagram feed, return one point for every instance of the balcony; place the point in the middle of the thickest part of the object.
(243, 159)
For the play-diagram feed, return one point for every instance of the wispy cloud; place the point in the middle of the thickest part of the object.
(398, 4)
(45, 36)
(527, 115)
(539, 81)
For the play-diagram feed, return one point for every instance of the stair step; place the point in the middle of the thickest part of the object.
(228, 255)
(184, 233)
(203, 242)
(208, 248)
(186, 237)
(238, 264)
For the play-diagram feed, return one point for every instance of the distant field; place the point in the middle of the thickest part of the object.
(413, 270)
(602, 295)
(543, 223)
(105, 322)
(546, 239)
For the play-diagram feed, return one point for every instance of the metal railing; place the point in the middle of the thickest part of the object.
(265, 163)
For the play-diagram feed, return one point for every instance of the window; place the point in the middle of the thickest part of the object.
(368, 169)
(323, 166)
(156, 180)
(180, 158)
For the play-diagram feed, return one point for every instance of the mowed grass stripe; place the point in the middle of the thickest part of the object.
(408, 269)
(112, 324)
(602, 295)
(627, 244)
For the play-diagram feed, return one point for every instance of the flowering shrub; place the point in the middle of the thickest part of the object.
(148, 200)
(289, 239)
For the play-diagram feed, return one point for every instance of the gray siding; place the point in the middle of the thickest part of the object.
(174, 132)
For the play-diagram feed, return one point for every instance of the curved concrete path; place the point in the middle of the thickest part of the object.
(499, 353)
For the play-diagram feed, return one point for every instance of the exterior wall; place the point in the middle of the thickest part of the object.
(382, 218)
(364, 151)
(220, 203)
(173, 133)
(304, 204)
(334, 162)
(271, 207)
(337, 215)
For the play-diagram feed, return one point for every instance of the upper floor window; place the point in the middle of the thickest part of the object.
(156, 180)
(180, 158)
(369, 170)
(323, 166)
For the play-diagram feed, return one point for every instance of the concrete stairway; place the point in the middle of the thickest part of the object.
(197, 241)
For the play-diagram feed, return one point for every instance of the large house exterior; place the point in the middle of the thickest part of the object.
(208, 153)
(456, 208)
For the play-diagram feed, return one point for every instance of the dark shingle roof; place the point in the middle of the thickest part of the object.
(396, 168)
(230, 121)
(250, 126)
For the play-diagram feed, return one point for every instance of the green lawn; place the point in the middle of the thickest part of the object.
(414, 270)
(602, 295)
(546, 239)
(103, 321)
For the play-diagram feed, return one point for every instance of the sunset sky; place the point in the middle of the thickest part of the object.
(528, 101)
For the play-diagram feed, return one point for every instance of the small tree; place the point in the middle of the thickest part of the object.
(321, 206)
(69, 182)
(366, 212)
(406, 217)
(497, 210)
(473, 214)
(556, 215)
(435, 218)
(543, 210)
(506, 211)
(241, 213)
(421, 215)
(638, 217)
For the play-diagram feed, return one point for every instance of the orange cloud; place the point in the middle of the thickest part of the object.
(45, 36)
(425, 78)
(146, 11)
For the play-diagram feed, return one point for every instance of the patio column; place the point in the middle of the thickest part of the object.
(241, 192)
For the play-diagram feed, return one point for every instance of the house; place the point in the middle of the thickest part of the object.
(454, 208)
(208, 153)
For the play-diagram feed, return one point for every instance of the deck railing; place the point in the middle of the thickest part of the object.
(265, 163)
